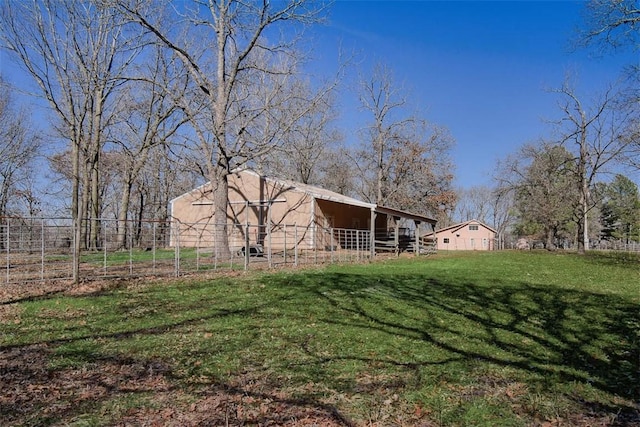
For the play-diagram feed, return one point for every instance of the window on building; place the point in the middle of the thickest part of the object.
(473, 228)
(445, 240)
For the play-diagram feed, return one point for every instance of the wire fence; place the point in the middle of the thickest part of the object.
(618, 246)
(43, 249)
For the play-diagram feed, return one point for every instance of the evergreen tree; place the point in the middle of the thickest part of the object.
(620, 215)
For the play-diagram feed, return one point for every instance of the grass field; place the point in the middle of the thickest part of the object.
(467, 339)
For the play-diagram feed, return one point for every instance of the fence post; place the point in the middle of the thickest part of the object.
(42, 249)
(246, 247)
(198, 250)
(315, 248)
(295, 244)
(331, 253)
(372, 236)
(231, 248)
(176, 252)
(215, 245)
(130, 225)
(75, 253)
(8, 250)
(153, 247)
(269, 258)
(104, 247)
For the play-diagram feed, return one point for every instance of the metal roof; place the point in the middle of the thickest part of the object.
(324, 194)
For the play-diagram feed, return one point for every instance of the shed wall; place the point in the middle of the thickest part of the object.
(465, 239)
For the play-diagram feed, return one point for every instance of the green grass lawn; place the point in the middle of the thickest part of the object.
(500, 338)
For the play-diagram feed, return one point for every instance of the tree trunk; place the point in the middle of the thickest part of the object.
(549, 243)
(3, 210)
(139, 225)
(380, 165)
(220, 168)
(76, 210)
(585, 214)
(220, 201)
(94, 230)
(585, 228)
(122, 215)
(85, 203)
(94, 149)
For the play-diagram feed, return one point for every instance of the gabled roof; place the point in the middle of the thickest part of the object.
(455, 227)
(199, 188)
(320, 193)
(324, 194)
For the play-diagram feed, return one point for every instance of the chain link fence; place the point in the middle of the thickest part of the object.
(39, 249)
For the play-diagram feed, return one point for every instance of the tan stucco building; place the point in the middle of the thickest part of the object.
(275, 212)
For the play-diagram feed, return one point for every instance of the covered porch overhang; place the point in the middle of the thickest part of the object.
(382, 223)
(386, 235)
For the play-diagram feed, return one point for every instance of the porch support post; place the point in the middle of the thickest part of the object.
(313, 225)
(396, 238)
(270, 260)
(417, 249)
(372, 229)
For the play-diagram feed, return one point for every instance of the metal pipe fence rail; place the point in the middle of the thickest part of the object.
(42, 249)
(618, 246)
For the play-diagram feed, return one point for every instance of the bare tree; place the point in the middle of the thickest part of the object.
(238, 63)
(336, 172)
(380, 97)
(474, 203)
(166, 175)
(596, 135)
(612, 24)
(503, 214)
(632, 135)
(541, 180)
(493, 206)
(77, 52)
(404, 160)
(148, 118)
(18, 148)
(548, 195)
(310, 141)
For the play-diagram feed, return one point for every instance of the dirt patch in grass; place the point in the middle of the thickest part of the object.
(125, 392)
(12, 292)
(228, 407)
(10, 313)
(20, 292)
(35, 394)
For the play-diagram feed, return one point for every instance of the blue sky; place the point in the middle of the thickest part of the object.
(483, 69)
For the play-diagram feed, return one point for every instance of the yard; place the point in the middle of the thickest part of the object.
(495, 338)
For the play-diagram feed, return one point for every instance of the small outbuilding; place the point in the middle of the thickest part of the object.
(275, 213)
(471, 235)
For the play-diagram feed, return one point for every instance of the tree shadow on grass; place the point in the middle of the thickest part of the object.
(551, 334)
(147, 389)
(613, 258)
(35, 394)
(89, 382)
